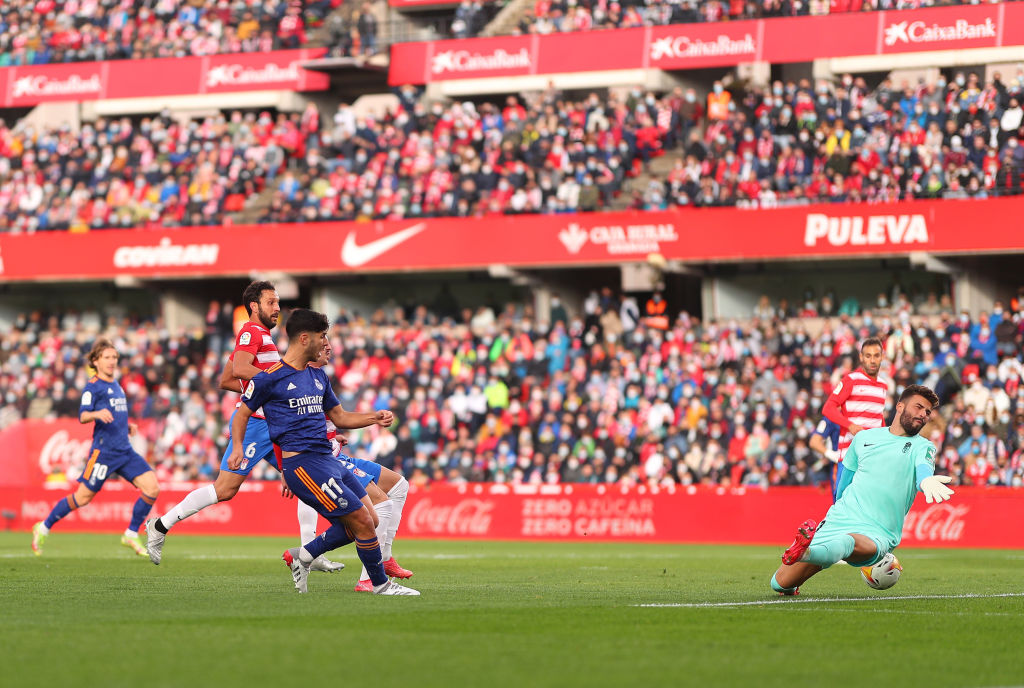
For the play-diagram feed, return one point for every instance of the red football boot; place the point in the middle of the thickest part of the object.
(393, 569)
(364, 586)
(804, 535)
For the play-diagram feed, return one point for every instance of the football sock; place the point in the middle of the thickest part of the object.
(332, 538)
(398, 493)
(307, 522)
(139, 512)
(194, 502)
(369, 554)
(385, 513)
(778, 588)
(826, 554)
(60, 510)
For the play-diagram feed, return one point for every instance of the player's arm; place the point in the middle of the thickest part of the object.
(932, 486)
(255, 394)
(833, 409)
(229, 382)
(241, 365)
(818, 443)
(850, 463)
(87, 412)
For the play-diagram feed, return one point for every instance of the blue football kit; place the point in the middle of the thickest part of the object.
(365, 471)
(294, 403)
(111, 452)
(831, 432)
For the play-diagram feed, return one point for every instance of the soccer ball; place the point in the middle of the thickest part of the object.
(884, 574)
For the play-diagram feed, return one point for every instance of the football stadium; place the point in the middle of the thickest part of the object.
(643, 342)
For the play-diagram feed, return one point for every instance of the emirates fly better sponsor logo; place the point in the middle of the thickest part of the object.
(28, 86)
(619, 239)
(240, 75)
(684, 47)
(922, 32)
(876, 230)
(466, 61)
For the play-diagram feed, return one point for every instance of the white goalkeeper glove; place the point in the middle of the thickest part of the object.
(935, 490)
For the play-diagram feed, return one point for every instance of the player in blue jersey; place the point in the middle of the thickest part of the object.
(104, 403)
(295, 397)
(885, 469)
(825, 441)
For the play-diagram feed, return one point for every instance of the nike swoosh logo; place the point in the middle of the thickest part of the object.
(354, 255)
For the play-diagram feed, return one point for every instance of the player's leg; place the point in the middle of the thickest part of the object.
(141, 476)
(82, 496)
(308, 517)
(789, 577)
(383, 508)
(397, 489)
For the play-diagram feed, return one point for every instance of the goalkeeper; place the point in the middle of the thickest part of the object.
(883, 470)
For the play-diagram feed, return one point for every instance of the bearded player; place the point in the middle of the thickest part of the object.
(885, 469)
(858, 402)
(254, 352)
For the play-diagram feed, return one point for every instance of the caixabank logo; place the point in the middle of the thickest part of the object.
(920, 32)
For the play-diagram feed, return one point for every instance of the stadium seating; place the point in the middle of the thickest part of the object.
(47, 31)
(595, 397)
(797, 142)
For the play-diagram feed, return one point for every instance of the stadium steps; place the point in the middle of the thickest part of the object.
(659, 167)
(255, 207)
(507, 19)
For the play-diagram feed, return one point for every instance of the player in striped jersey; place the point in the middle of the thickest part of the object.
(255, 351)
(858, 401)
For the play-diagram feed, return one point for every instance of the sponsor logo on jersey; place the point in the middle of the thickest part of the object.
(245, 338)
(86, 398)
(249, 389)
(291, 386)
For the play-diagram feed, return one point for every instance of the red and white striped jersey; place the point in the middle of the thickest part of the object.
(256, 340)
(859, 400)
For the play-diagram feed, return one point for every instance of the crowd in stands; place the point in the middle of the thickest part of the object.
(52, 31)
(559, 16)
(790, 143)
(601, 394)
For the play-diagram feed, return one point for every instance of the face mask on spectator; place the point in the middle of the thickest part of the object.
(718, 88)
(960, 81)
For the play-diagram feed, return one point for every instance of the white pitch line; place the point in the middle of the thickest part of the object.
(827, 600)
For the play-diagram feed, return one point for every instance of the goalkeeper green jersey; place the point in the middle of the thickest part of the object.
(881, 472)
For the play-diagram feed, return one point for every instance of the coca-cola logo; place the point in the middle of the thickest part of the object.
(61, 451)
(44, 86)
(937, 523)
(467, 517)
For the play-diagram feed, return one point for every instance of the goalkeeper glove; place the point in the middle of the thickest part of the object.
(934, 488)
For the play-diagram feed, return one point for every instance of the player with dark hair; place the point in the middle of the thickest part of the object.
(858, 401)
(254, 352)
(885, 469)
(295, 396)
(104, 404)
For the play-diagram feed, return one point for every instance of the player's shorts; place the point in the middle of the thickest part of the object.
(324, 483)
(104, 463)
(365, 471)
(831, 530)
(256, 445)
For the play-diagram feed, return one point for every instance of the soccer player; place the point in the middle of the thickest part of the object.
(858, 401)
(104, 404)
(294, 397)
(885, 468)
(254, 352)
(387, 491)
(825, 441)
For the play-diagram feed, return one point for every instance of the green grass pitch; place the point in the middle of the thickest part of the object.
(222, 612)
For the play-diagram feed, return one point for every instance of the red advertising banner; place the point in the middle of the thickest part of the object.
(686, 234)
(36, 451)
(975, 517)
(280, 70)
(688, 46)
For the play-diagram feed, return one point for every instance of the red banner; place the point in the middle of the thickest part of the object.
(281, 70)
(36, 451)
(975, 517)
(688, 46)
(687, 234)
